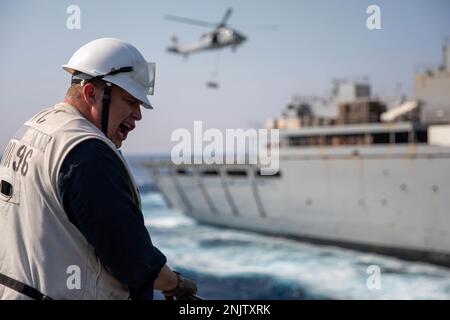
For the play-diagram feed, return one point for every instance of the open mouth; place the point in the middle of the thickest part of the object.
(124, 128)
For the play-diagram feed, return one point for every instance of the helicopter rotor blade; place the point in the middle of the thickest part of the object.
(189, 21)
(226, 16)
(260, 27)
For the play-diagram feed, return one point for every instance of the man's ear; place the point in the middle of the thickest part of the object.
(89, 93)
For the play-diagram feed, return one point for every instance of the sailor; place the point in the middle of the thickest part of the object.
(71, 225)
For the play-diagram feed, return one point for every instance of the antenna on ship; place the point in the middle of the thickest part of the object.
(446, 54)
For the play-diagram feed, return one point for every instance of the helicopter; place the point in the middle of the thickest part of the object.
(220, 37)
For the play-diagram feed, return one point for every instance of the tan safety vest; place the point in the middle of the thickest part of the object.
(39, 246)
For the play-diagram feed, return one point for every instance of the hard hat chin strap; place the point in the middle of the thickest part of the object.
(105, 110)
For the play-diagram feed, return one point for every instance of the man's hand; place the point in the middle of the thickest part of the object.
(184, 290)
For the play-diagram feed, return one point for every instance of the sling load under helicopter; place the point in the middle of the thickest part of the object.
(221, 36)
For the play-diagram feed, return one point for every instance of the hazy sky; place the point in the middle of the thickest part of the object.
(316, 41)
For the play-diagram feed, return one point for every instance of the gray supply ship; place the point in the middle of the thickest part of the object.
(355, 171)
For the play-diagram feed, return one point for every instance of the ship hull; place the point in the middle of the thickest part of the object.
(391, 199)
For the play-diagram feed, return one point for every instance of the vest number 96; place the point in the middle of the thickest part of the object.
(23, 154)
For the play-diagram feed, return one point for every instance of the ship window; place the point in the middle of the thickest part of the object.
(298, 141)
(401, 137)
(210, 172)
(238, 173)
(379, 138)
(349, 139)
(184, 171)
(422, 136)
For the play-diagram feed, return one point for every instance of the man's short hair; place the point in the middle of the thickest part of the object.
(76, 89)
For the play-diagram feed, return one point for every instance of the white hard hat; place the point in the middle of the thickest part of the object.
(117, 62)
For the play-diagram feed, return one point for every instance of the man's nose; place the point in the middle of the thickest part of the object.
(137, 115)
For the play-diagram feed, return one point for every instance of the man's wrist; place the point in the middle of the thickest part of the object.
(174, 282)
